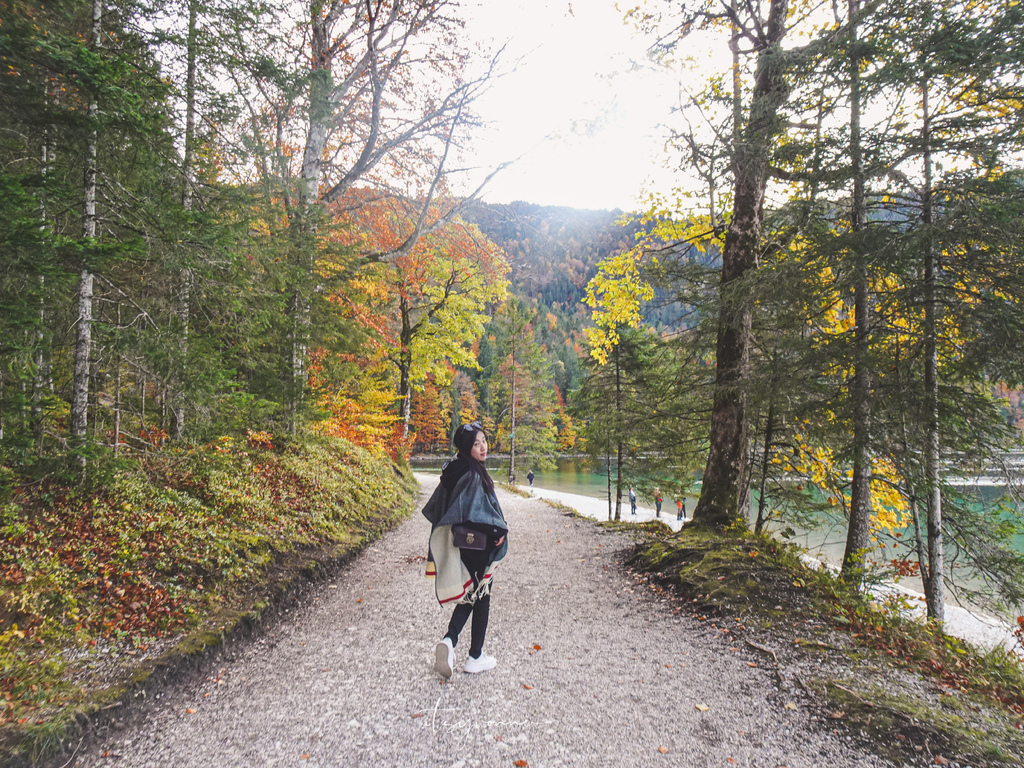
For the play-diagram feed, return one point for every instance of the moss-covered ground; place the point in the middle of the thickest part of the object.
(159, 558)
(913, 694)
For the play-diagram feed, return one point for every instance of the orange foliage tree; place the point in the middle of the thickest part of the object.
(345, 96)
(429, 417)
(425, 307)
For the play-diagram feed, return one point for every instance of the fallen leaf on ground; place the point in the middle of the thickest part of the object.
(751, 664)
(536, 647)
(190, 711)
(837, 715)
(527, 687)
(304, 756)
(703, 707)
(520, 763)
(730, 760)
(663, 749)
(417, 714)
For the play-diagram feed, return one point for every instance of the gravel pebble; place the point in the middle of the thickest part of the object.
(593, 670)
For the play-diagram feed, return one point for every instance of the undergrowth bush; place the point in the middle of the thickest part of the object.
(147, 552)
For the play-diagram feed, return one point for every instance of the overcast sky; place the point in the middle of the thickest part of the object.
(582, 114)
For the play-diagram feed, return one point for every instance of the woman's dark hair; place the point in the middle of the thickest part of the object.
(465, 436)
(463, 440)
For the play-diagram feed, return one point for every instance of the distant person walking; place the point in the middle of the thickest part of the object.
(632, 500)
(529, 477)
(657, 503)
(681, 506)
(468, 537)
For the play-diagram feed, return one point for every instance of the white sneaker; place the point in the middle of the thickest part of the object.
(482, 664)
(444, 658)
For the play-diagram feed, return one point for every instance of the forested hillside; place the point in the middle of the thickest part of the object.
(552, 253)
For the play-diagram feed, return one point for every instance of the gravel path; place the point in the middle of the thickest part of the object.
(593, 670)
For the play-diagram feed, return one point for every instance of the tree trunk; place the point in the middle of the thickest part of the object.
(608, 471)
(618, 480)
(303, 222)
(405, 366)
(618, 430)
(83, 335)
(859, 531)
(184, 298)
(512, 418)
(41, 377)
(723, 482)
(934, 586)
(761, 504)
(117, 409)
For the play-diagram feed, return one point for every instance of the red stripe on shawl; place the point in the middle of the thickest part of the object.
(465, 587)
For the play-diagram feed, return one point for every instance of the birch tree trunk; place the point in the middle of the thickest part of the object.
(303, 223)
(934, 586)
(83, 336)
(41, 378)
(184, 297)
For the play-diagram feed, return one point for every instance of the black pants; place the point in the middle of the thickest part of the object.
(481, 611)
(476, 562)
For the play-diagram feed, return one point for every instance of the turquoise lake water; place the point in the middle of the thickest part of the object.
(579, 477)
(571, 476)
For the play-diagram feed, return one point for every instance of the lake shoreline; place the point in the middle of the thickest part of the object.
(975, 627)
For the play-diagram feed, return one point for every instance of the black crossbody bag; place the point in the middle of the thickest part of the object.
(468, 538)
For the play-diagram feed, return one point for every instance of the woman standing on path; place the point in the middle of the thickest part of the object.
(468, 537)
